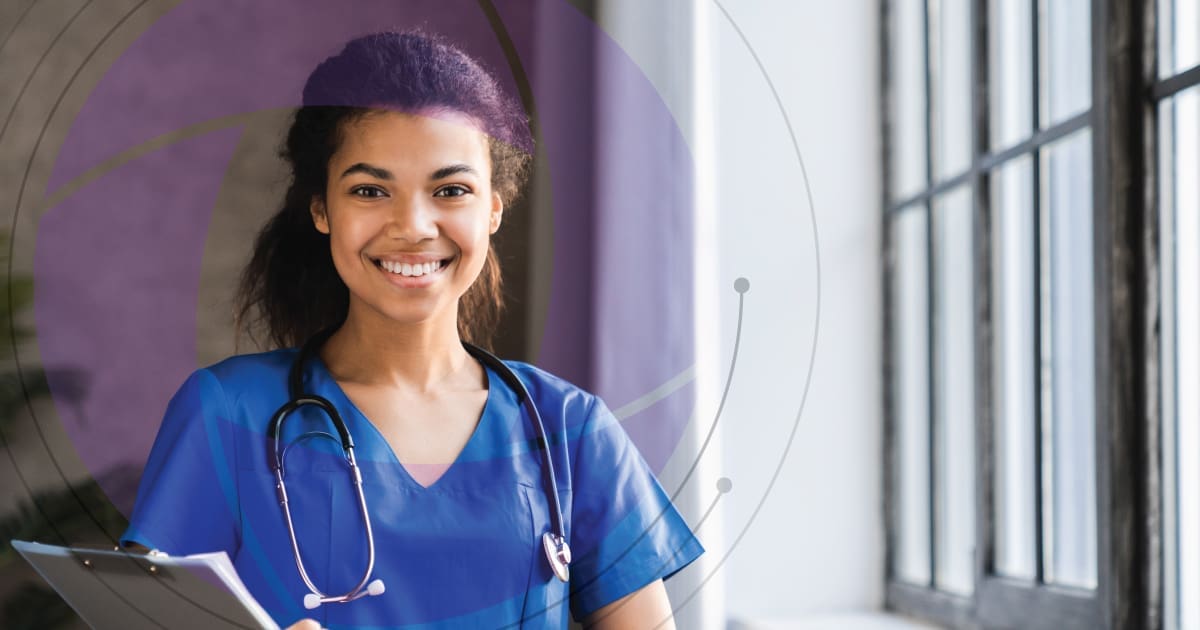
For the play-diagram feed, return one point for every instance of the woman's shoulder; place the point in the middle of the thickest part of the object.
(534, 376)
(550, 390)
(251, 370)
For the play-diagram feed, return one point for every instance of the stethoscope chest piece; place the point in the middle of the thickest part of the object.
(559, 555)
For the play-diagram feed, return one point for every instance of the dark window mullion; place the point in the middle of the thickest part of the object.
(1102, 249)
(1175, 84)
(890, 469)
(931, 344)
(1039, 283)
(981, 235)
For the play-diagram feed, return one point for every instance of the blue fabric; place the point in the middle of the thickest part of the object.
(463, 553)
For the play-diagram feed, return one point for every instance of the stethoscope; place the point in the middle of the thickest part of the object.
(558, 553)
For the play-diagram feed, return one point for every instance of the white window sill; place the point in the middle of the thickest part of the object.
(834, 621)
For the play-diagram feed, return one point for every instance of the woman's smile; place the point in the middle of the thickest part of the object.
(412, 275)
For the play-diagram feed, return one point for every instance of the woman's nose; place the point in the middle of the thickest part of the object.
(412, 220)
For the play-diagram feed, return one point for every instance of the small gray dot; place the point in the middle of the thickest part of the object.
(724, 484)
(741, 285)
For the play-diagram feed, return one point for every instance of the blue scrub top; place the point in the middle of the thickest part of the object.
(465, 552)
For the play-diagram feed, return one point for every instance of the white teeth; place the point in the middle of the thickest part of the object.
(406, 269)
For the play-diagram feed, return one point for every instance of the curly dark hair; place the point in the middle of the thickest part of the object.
(290, 286)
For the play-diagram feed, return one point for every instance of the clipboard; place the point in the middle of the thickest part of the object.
(110, 588)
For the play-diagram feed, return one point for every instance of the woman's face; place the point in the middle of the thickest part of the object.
(409, 210)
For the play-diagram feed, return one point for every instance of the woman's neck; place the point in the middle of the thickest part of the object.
(420, 358)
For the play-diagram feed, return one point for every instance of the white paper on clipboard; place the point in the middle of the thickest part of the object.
(117, 589)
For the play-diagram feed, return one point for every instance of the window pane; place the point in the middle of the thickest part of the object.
(1179, 35)
(1013, 312)
(1066, 62)
(1180, 125)
(1010, 68)
(951, 22)
(907, 73)
(911, 386)
(955, 343)
(1067, 344)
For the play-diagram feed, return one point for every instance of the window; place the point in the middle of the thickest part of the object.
(1176, 96)
(1042, 219)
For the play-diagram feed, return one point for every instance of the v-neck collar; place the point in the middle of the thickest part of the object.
(324, 381)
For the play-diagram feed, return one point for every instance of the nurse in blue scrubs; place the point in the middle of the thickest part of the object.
(403, 157)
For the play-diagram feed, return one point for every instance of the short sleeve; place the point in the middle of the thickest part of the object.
(187, 499)
(625, 533)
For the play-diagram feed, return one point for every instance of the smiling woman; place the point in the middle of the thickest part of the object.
(409, 206)
(484, 493)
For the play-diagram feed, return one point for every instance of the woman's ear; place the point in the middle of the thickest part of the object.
(319, 214)
(497, 213)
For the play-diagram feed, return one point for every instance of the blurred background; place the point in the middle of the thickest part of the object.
(900, 298)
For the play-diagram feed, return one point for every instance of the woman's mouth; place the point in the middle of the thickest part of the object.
(411, 275)
(411, 270)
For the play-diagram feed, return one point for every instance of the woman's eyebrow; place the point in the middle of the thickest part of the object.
(453, 169)
(373, 171)
(383, 173)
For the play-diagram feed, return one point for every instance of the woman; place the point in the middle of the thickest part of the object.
(379, 266)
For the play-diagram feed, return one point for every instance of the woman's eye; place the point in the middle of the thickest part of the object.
(453, 190)
(369, 192)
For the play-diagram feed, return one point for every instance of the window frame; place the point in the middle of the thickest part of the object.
(1122, 118)
(1159, 90)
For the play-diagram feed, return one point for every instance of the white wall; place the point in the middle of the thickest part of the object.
(817, 543)
(809, 539)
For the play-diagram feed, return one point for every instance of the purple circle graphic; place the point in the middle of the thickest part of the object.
(117, 262)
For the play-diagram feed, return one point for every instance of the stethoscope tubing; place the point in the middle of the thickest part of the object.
(558, 552)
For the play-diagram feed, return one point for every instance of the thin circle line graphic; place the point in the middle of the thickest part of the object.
(816, 325)
(628, 548)
(737, 344)
(540, 163)
(12, 238)
(671, 558)
(668, 387)
(696, 461)
(127, 602)
(32, 73)
(17, 24)
(519, 71)
(513, 58)
(525, 89)
(161, 141)
(708, 512)
(12, 325)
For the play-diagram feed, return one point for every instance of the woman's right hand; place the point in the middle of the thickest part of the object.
(305, 624)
